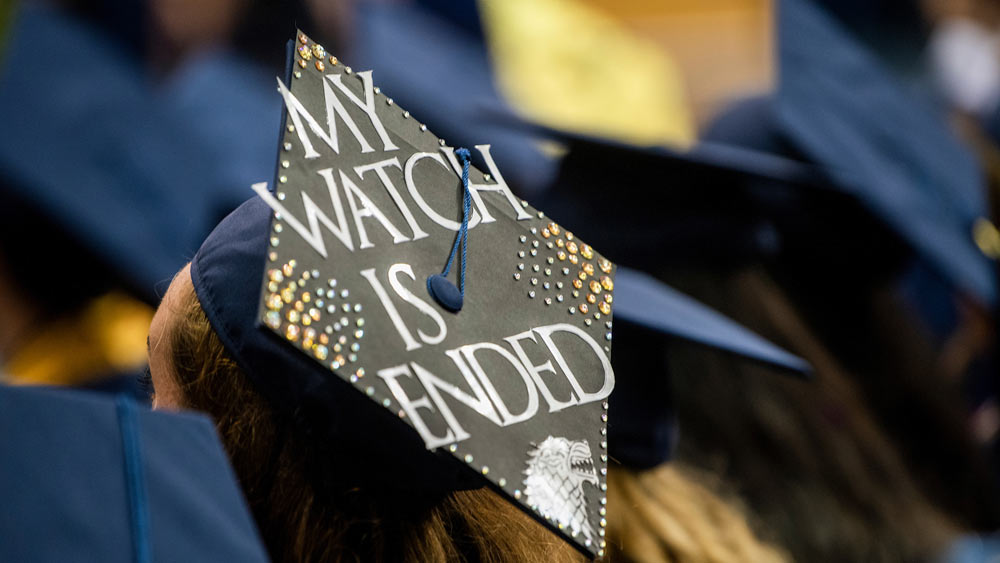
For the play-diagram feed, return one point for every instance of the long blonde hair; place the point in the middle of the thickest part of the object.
(670, 513)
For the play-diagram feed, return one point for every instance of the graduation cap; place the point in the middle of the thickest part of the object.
(713, 205)
(413, 299)
(86, 477)
(880, 143)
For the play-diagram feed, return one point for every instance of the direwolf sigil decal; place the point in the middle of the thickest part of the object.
(557, 470)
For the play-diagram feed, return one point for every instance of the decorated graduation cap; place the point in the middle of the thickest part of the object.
(443, 332)
(84, 477)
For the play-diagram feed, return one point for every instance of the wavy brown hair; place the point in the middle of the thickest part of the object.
(673, 513)
(810, 459)
(303, 518)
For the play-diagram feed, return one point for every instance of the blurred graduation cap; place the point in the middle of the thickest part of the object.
(872, 139)
(86, 145)
(714, 205)
(645, 301)
(86, 478)
(779, 176)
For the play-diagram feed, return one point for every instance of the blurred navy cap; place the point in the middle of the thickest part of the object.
(647, 302)
(649, 318)
(715, 205)
(85, 143)
(972, 549)
(86, 478)
(874, 140)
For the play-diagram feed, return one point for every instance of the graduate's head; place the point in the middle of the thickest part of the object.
(315, 495)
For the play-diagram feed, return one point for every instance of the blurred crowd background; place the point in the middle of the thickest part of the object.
(825, 172)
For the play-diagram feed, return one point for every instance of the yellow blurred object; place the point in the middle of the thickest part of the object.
(7, 8)
(987, 237)
(568, 66)
(723, 48)
(108, 337)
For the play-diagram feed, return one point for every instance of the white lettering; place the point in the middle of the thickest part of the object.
(479, 403)
(363, 207)
(609, 375)
(469, 352)
(296, 111)
(420, 304)
(314, 216)
(410, 407)
(379, 168)
(390, 309)
(419, 199)
(536, 371)
(500, 185)
(367, 106)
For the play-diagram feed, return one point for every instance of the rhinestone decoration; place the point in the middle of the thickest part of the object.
(607, 283)
(300, 311)
(591, 295)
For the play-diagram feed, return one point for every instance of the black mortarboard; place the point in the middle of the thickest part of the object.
(86, 478)
(493, 354)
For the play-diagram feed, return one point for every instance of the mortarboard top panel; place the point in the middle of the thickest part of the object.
(66, 477)
(881, 143)
(513, 385)
(662, 206)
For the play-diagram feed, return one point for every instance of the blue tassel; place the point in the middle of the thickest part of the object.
(438, 285)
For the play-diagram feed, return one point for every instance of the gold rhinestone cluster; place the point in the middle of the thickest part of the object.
(566, 272)
(315, 315)
(309, 52)
(314, 54)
